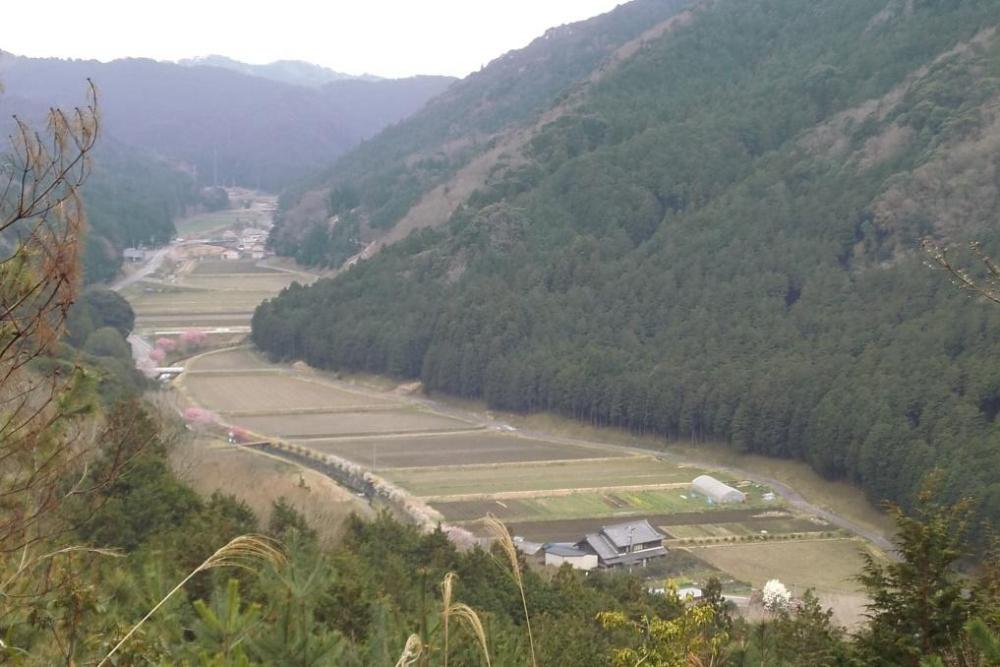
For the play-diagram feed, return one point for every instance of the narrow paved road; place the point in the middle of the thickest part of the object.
(140, 346)
(152, 264)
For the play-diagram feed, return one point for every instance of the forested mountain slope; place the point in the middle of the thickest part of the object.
(132, 199)
(416, 173)
(718, 238)
(233, 128)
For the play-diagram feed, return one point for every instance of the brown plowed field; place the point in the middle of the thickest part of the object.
(343, 424)
(268, 393)
(456, 449)
(229, 360)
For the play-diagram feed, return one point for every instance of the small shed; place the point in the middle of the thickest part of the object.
(717, 491)
(134, 254)
(526, 547)
(690, 593)
(557, 554)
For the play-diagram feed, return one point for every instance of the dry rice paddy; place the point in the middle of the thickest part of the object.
(237, 359)
(344, 424)
(272, 394)
(545, 490)
(601, 472)
(449, 450)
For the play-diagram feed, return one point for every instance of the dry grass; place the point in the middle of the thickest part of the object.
(258, 480)
(828, 566)
(245, 551)
(498, 531)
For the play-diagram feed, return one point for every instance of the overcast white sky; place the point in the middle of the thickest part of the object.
(384, 37)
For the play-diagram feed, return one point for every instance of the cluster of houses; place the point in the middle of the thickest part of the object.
(249, 244)
(627, 544)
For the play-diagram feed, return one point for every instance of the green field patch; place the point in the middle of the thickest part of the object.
(617, 472)
(580, 505)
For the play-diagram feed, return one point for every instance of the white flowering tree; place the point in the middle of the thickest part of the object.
(775, 597)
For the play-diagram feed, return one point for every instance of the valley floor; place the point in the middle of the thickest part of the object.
(549, 479)
(466, 464)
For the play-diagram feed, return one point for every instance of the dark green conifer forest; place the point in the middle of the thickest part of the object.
(717, 240)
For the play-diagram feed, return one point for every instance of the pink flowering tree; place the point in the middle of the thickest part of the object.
(166, 344)
(192, 339)
(194, 415)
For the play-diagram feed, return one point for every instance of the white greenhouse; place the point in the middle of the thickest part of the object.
(716, 491)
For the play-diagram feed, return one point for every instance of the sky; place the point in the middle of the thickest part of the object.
(390, 38)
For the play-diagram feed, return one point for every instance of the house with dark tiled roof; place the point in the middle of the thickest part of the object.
(629, 543)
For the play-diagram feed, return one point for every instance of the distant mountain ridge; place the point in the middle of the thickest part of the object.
(229, 127)
(297, 72)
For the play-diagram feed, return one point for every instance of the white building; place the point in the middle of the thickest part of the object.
(557, 554)
(716, 491)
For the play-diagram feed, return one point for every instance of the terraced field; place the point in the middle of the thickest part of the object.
(281, 393)
(456, 449)
(246, 282)
(223, 267)
(579, 505)
(321, 425)
(621, 471)
(545, 490)
(232, 360)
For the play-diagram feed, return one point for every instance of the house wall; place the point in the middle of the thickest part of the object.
(585, 562)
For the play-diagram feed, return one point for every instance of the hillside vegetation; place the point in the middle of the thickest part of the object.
(710, 235)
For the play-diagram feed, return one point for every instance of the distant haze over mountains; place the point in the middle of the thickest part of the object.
(226, 126)
(296, 72)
